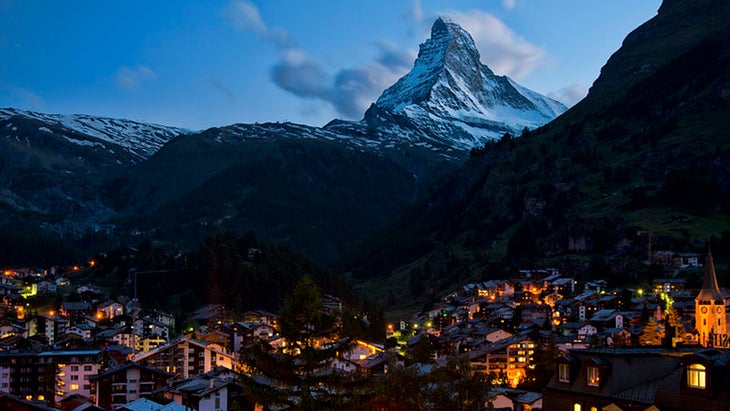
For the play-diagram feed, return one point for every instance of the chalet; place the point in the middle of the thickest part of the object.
(596, 285)
(378, 364)
(11, 402)
(260, 316)
(149, 327)
(8, 328)
(46, 287)
(331, 303)
(511, 356)
(536, 312)
(150, 343)
(212, 314)
(75, 309)
(564, 286)
(185, 357)
(109, 309)
(669, 286)
(214, 390)
(640, 379)
(503, 398)
(162, 318)
(686, 260)
(125, 383)
(9, 289)
(82, 331)
(362, 349)
(607, 319)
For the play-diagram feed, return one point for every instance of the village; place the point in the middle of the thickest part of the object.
(97, 353)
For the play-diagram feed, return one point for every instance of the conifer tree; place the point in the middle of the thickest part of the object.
(297, 372)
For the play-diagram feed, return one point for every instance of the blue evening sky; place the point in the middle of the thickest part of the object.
(205, 63)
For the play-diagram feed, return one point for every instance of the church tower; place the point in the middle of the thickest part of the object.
(710, 317)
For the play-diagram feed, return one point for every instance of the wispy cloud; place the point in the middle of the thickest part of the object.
(500, 48)
(569, 95)
(348, 91)
(244, 15)
(509, 4)
(132, 78)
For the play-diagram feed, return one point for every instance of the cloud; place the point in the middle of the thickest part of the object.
(509, 4)
(500, 48)
(244, 15)
(569, 95)
(131, 79)
(415, 12)
(297, 73)
(218, 85)
(348, 91)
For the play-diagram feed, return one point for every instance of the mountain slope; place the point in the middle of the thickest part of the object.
(52, 168)
(644, 152)
(140, 140)
(294, 184)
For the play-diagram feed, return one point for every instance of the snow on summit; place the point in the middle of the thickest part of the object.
(449, 89)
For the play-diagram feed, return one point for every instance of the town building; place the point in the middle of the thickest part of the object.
(125, 383)
(710, 315)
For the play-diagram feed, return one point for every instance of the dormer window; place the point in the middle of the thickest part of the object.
(564, 372)
(593, 378)
(696, 374)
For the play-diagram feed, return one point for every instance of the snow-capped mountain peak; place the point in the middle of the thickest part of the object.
(451, 91)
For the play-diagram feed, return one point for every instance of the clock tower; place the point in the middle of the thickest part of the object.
(710, 317)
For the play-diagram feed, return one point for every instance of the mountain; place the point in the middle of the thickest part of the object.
(321, 190)
(450, 93)
(139, 140)
(52, 169)
(92, 180)
(645, 152)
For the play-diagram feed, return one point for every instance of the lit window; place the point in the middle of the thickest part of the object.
(594, 408)
(74, 387)
(576, 407)
(696, 376)
(593, 377)
(563, 373)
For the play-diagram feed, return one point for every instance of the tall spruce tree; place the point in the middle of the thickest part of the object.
(298, 372)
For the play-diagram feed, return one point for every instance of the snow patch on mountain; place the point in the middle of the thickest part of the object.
(139, 139)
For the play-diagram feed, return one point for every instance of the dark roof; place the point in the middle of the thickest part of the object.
(126, 365)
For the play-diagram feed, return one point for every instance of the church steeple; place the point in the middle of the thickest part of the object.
(710, 290)
(710, 316)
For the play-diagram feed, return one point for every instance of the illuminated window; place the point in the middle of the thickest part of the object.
(563, 373)
(594, 408)
(593, 379)
(74, 387)
(576, 407)
(696, 376)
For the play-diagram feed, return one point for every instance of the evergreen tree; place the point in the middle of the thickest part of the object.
(298, 372)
